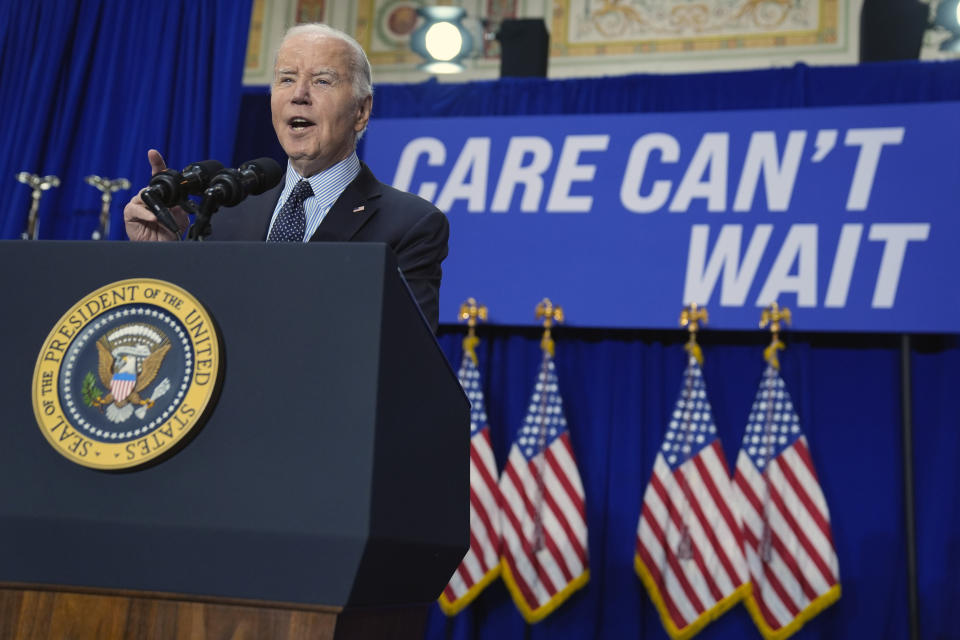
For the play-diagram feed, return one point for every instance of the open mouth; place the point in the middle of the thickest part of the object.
(299, 124)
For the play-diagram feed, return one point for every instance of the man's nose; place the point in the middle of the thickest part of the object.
(301, 92)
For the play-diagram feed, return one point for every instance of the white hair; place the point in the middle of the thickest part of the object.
(361, 76)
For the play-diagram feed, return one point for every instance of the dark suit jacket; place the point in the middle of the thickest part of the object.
(367, 211)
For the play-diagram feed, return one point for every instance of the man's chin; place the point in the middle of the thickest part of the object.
(297, 148)
(306, 164)
(298, 154)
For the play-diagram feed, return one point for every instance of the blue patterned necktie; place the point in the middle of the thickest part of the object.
(291, 224)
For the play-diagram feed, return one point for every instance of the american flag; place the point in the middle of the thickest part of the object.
(786, 524)
(688, 537)
(481, 565)
(543, 512)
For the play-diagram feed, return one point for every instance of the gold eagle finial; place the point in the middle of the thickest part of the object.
(471, 311)
(691, 317)
(774, 315)
(550, 314)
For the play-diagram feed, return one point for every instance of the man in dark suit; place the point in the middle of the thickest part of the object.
(320, 102)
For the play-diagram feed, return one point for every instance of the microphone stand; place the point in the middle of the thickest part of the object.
(229, 187)
(39, 185)
(107, 187)
(210, 204)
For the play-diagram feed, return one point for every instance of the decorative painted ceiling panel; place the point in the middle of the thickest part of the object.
(589, 27)
(591, 37)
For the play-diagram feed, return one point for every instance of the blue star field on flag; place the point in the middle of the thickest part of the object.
(691, 425)
(545, 420)
(470, 381)
(773, 424)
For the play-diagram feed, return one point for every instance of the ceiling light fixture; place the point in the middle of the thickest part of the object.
(441, 39)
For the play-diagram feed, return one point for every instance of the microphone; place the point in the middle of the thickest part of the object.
(230, 186)
(170, 187)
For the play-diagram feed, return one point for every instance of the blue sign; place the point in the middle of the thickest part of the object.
(846, 215)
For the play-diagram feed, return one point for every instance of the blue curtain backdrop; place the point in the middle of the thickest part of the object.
(619, 388)
(88, 86)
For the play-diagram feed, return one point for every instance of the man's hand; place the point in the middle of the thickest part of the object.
(140, 222)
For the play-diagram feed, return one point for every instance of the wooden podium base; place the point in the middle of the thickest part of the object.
(32, 613)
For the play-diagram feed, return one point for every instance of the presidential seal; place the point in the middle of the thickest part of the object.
(126, 374)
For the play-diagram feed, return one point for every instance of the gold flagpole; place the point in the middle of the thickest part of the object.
(690, 317)
(549, 313)
(773, 315)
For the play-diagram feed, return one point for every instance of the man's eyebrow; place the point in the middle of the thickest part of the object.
(314, 74)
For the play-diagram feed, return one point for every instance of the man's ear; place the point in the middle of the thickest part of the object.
(363, 114)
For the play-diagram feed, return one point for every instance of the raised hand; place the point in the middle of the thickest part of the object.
(140, 222)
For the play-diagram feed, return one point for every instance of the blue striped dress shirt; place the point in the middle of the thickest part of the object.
(327, 187)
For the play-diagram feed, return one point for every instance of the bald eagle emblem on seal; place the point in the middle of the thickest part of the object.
(129, 358)
(127, 374)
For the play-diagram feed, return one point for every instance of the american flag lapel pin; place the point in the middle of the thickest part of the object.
(358, 209)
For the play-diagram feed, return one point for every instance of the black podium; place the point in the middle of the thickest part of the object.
(330, 478)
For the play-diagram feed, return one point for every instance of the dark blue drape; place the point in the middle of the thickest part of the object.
(800, 86)
(619, 388)
(88, 86)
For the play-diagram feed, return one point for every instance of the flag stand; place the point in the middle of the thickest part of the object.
(906, 400)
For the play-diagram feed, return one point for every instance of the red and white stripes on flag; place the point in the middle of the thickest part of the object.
(688, 551)
(121, 385)
(786, 524)
(543, 511)
(481, 565)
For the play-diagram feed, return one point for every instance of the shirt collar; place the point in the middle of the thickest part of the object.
(328, 184)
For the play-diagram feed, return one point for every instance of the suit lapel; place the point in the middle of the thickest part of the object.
(249, 219)
(355, 206)
(263, 213)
